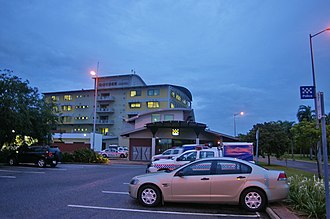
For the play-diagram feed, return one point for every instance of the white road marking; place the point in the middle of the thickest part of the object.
(16, 171)
(163, 212)
(126, 183)
(8, 177)
(111, 192)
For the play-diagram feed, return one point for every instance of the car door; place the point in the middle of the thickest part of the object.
(192, 183)
(228, 181)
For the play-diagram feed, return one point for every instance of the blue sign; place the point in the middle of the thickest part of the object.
(307, 92)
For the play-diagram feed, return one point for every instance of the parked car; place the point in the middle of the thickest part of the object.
(40, 155)
(168, 154)
(212, 180)
(113, 153)
(182, 159)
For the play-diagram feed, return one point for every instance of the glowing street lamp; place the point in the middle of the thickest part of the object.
(94, 75)
(236, 114)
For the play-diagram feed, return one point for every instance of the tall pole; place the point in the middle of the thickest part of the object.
(313, 75)
(235, 114)
(95, 99)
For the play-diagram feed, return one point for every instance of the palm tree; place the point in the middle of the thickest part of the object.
(305, 113)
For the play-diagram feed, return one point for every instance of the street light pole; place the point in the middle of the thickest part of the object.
(322, 117)
(236, 114)
(95, 77)
(313, 70)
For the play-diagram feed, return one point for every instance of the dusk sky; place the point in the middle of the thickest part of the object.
(233, 56)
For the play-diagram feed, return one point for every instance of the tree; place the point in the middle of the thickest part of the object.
(273, 138)
(306, 135)
(22, 111)
(305, 113)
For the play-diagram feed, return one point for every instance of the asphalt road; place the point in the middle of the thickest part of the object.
(90, 191)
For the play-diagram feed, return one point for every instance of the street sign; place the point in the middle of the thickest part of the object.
(307, 92)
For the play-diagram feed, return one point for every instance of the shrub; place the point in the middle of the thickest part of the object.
(83, 155)
(307, 195)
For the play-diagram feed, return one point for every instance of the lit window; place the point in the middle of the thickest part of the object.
(169, 117)
(153, 92)
(135, 105)
(66, 108)
(67, 97)
(178, 97)
(172, 93)
(153, 104)
(104, 131)
(171, 105)
(135, 93)
(155, 117)
(54, 98)
(55, 109)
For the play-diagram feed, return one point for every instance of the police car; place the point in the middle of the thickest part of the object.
(184, 158)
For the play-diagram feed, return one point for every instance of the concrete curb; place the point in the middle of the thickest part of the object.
(272, 214)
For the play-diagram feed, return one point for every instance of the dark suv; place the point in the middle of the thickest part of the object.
(40, 155)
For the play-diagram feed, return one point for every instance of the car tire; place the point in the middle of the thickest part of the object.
(12, 161)
(149, 196)
(122, 156)
(41, 162)
(253, 199)
(104, 155)
(53, 164)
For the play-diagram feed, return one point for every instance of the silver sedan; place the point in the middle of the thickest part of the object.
(213, 180)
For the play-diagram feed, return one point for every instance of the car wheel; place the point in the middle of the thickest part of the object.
(104, 155)
(54, 163)
(122, 156)
(12, 162)
(149, 196)
(253, 199)
(41, 162)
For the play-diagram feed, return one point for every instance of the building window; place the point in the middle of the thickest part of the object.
(82, 107)
(153, 92)
(153, 104)
(105, 131)
(178, 97)
(172, 93)
(66, 119)
(172, 105)
(67, 97)
(54, 98)
(169, 117)
(155, 117)
(55, 109)
(135, 93)
(81, 118)
(135, 105)
(66, 108)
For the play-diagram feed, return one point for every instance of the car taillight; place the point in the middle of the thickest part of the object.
(49, 154)
(282, 177)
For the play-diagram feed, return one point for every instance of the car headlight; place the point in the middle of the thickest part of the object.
(134, 181)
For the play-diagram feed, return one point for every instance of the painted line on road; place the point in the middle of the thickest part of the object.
(16, 171)
(111, 192)
(163, 212)
(8, 177)
(126, 183)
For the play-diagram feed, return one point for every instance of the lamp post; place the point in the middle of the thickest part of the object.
(313, 69)
(95, 77)
(236, 114)
(322, 117)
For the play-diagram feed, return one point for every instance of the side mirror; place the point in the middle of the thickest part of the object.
(179, 173)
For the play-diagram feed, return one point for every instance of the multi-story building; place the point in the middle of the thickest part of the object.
(119, 98)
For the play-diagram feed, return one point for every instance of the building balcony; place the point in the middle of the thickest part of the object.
(105, 122)
(105, 98)
(105, 110)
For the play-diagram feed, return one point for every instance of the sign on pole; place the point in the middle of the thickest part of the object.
(319, 106)
(307, 92)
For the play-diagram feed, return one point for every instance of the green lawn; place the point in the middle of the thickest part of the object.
(289, 171)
